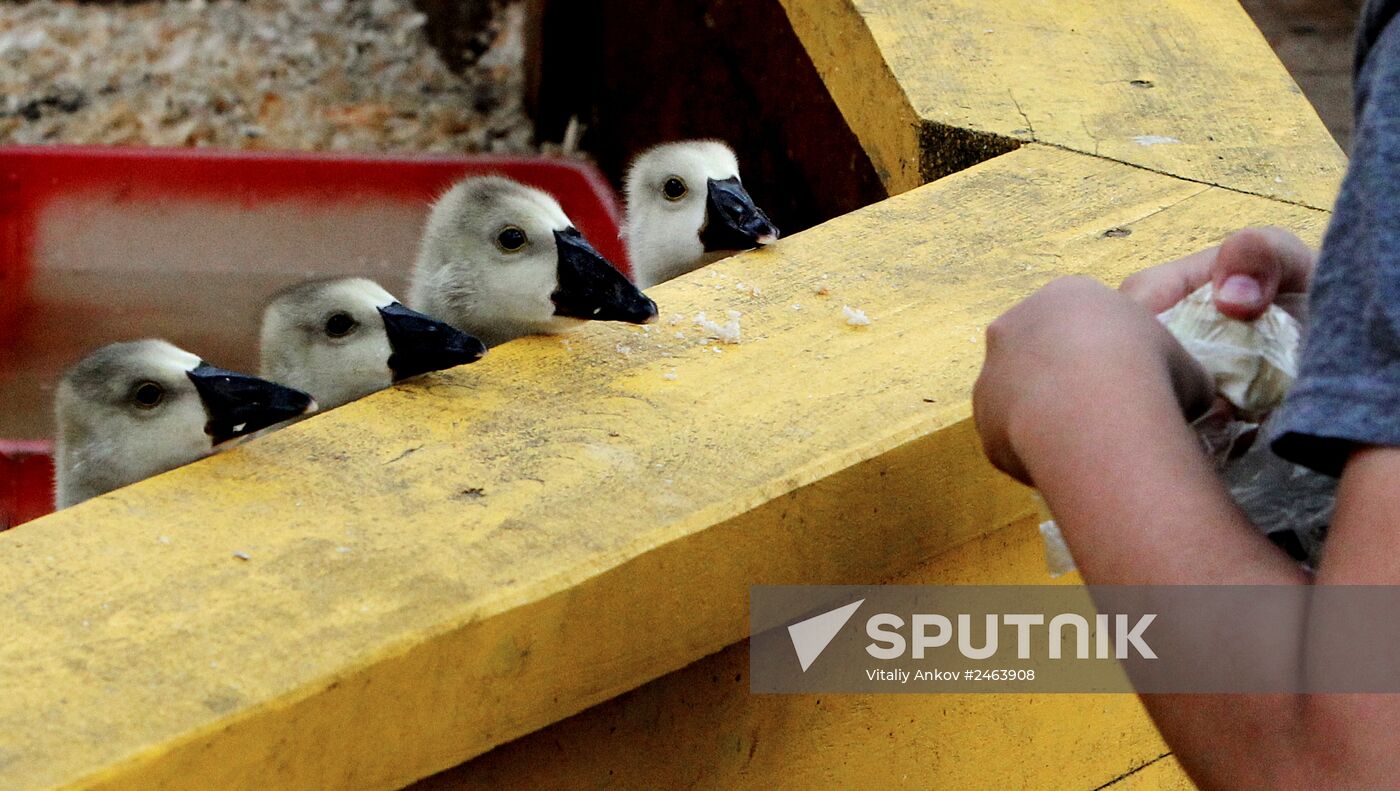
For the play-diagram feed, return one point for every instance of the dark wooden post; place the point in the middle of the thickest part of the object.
(641, 72)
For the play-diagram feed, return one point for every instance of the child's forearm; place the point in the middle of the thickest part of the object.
(1134, 495)
(1139, 504)
(1150, 510)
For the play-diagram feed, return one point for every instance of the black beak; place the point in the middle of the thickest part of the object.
(420, 344)
(239, 404)
(592, 288)
(732, 221)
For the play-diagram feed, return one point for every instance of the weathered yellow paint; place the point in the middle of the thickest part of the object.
(1184, 87)
(699, 728)
(443, 567)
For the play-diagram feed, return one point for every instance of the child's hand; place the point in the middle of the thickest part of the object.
(1067, 359)
(1250, 271)
(1075, 351)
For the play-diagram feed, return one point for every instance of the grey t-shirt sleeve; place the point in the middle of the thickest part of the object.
(1348, 388)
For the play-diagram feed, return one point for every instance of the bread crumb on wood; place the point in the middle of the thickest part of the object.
(727, 332)
(855, 316)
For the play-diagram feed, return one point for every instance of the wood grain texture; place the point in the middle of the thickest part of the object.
(447, 565)
(1184, 87)
(700, 728)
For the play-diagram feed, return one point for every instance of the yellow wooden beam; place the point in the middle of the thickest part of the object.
(699, 728)
(448, 565)
(1184, 87)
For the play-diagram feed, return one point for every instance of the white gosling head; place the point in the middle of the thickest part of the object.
(501, 260)
(131, 410)
(687, 208)
(345, 338)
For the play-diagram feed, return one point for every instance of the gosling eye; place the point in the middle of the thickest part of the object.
(147, 395)
(340, 324)
(510, 239)
(674, 188)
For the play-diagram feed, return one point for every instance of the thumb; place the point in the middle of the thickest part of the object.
(1254, 265)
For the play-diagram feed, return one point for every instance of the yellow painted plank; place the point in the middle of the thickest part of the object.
(699, 727)
(443, 567)
(1184, 87)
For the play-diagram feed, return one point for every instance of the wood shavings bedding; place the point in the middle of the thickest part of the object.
(355, 75)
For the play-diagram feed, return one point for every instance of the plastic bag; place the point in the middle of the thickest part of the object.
(1253, 362)
(1292, 505)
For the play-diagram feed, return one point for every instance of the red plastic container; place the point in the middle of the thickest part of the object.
(26, 481)
(106, 244)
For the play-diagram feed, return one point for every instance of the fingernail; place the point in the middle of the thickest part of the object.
(1240, 290)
